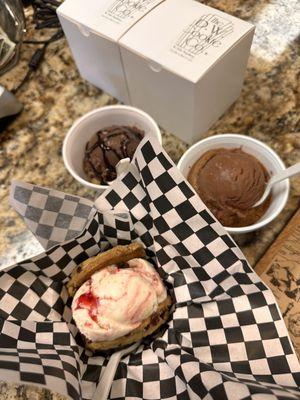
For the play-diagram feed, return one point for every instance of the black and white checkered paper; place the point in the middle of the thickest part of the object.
(226, 338)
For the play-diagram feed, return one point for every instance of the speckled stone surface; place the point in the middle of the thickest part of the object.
(30, 148)
(56, 95)
(13, 391)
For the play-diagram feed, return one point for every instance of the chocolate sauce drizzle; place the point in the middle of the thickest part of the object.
(103, 137)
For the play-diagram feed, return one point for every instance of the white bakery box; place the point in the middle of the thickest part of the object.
(179, 60)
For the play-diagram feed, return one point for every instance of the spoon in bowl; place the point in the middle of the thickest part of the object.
(280, 176)
(121, 167)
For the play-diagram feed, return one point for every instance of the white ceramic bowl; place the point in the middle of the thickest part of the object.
(85, 127)
(258, 149)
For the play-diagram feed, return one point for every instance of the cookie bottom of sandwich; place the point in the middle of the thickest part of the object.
(146, 328)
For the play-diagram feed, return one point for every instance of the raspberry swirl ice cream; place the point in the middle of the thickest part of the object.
(114, 301)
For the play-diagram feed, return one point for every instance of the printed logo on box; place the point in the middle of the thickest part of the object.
(203, 33)
(121, 10)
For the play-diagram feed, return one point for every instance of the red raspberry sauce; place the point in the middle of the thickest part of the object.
(90, 302)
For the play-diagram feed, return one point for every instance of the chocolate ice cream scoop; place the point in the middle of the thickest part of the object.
(106, 148)
(230, 181)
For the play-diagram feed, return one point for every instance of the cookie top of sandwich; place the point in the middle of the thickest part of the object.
(116, 255)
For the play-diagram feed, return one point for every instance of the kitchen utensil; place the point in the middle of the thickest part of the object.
(12, 24)
(280, 176)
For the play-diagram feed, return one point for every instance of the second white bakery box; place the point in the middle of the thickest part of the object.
(179, 60)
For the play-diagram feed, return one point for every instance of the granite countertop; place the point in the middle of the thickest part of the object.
(56, 95)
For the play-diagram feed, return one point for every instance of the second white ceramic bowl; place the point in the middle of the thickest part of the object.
(258, 149)
(85, 127)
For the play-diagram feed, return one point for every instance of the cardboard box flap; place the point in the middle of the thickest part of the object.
(108, 18)
(187, 43)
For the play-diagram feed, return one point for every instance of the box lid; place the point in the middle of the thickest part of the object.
(108, 18)
(185, 37)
